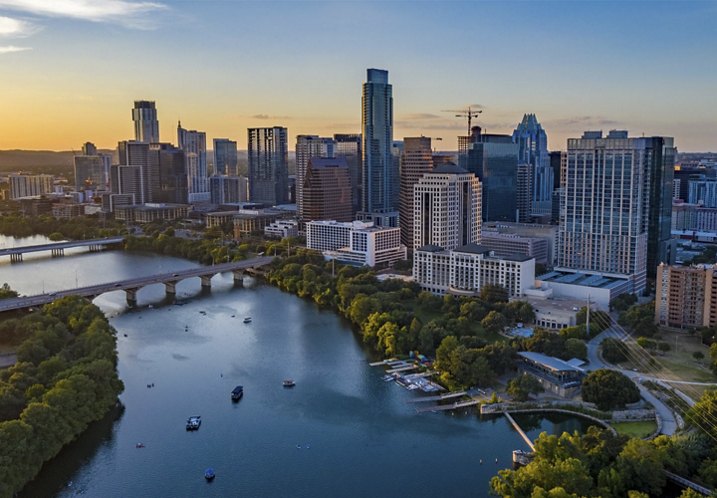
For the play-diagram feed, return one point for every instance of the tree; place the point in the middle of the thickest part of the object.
(6, 292)
(609, 389)
(521, 387)
(698, 355)
(493, 294)
(575, 348)
(494, 322)
(641, 319)
(613, 350)
(663, 347)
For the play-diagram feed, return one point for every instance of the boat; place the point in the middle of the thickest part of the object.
(193, 423)
(209, 474)
(237, 393)
(388, 378)
(288, 383)
(247, 319)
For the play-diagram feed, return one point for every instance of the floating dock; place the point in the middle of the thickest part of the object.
(437, 398)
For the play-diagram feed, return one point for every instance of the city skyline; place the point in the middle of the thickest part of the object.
(582, 72)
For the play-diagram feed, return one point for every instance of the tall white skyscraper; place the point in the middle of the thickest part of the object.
(268, 165)
(308, 147)
(447, 208)
(194, 145)
(380, 171)
(146, 126)
(612, 205)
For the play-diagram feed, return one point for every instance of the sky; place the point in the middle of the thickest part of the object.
(71, 69)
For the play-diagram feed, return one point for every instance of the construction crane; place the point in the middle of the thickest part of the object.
(466, 113)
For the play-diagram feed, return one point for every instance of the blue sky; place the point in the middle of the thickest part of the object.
(221, 66)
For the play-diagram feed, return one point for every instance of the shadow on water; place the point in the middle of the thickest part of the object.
(54, 474)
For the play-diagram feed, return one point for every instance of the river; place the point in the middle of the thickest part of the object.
(341, 431)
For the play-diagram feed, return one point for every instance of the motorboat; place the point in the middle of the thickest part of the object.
(237, 393)
(288, 383)
(209, 474)
(247, 319)
(193, 423)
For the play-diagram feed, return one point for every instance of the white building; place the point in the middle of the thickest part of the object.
(280, 229)
(467, 269)
(447, 208)
(356, 242)
(29, 185)
(194, 145)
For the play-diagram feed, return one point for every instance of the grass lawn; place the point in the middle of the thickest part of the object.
(640, 429)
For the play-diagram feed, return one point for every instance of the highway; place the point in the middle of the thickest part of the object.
(132, 283)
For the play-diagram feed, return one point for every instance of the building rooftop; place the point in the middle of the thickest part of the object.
(584, 279)
(549, 362)
(449, 168)
(430, 248)
(490, 253)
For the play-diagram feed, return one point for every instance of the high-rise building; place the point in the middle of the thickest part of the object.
(523, 192)
(703, 192)
(134, 174)
(268, 165)
(558, 159)
(348, 146)
(228, 189)
(327, 190)
(494, 159)
(29, 185)
(380, 172)
(171, 174)
(146, 126)
(89, 149)
(533, 150)
(447, 208)
(613, 217)
(194, 145)
(416, 160)
(308, 147)
(226, 161)
(686, 296)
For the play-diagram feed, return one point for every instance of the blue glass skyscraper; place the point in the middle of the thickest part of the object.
(533, 149)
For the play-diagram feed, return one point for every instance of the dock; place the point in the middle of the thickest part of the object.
(437, 398)
(401, 369)
(383, 362)
(520, 431)
(442, 408)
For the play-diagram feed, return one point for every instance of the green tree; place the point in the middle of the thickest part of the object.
(609, 389)
(522, 386)
(494, 322)
(493, 294)
(575, 348)
(613, 350)
(6, 292)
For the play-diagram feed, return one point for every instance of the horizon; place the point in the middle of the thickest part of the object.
(577, 66)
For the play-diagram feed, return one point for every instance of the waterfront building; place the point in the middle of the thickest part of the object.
(226, 161)
(494, 160)
(416, 160)
(228, 189)
(327, 190)
(447, 208)
(533, 150)
(379, 170)
(194, 145)
(348, 146)
(613, 220)
(308, 147)
(253, 221)
(146, 125)
(557, 376)
(281, 229)
(356, 242)
(686, 296)
(464, 271)
(29, 185)
(268, 165)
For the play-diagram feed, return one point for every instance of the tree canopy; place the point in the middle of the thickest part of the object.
(609, 389)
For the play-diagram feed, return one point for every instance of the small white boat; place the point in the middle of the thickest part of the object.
(288, 383)
(247, 319)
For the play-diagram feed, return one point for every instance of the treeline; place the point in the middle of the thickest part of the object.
(64, 379)
(206, 250)
(85, 227)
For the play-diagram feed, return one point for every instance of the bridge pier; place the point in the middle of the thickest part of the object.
(16, 258)
(206, 281)
(131, 297)
(238, 278)
(57, 252)
(170, 288)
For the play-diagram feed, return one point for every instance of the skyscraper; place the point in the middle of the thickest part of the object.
(134, 174)
(171, 174)
(348, 146)
(416, 160)
(327, 190)
(613, 215)
(225, 157)
(380, 172)
(308, 147)
(194, 145)
(146, 126)
(268, 165)
(533, 149)
(91, 169)
(447, 208)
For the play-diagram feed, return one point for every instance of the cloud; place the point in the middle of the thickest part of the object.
(124, 12)
(11, 48)
(15, 27)
(266, 116)
(422, 116)
(581, 121)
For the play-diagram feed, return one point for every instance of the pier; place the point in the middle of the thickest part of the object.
(441, 408)
(520, 431)
(437, 398)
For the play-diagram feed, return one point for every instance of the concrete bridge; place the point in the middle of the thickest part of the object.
(58, 248)
(133, 285)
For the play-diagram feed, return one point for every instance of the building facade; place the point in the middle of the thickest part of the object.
(228, 189)
(29, 185)
(308, 147)
(686, 296)
(194, 145)
(465, 270)
(268, 165)
(533, 150)
(226, 161)
(146, 125)
(356, 242)
(348, 146)
(416, 161)
(447, 208)
(326, 190)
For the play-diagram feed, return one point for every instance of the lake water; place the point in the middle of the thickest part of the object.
(341, 431)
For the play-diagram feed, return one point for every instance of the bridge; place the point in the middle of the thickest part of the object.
(133, 285)
(58, 248)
